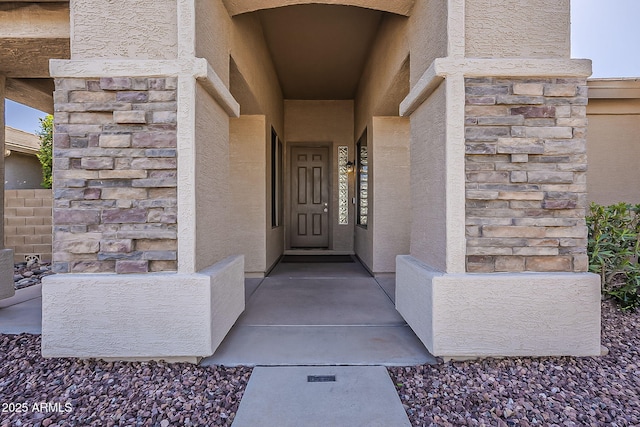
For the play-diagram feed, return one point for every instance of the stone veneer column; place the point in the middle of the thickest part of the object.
(513, 280)
(115, 199)
(526, 174)
(139, 118)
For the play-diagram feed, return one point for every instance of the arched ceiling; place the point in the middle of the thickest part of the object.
(399, 7)
(319, 51)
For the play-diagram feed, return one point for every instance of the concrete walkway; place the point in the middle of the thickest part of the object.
(320, 314)
(22, 313)
(306, 320)
(349, 396)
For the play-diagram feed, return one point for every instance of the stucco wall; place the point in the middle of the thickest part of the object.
(253, 60)
(515, 28)
(255, 83)
(383, 85)
(384, 82)
(22, 171)
(613, 150)
(212, 36)
(247, 170)
(139, 29)
(324, 121)
(427, 35)
(391, 191)
(389, 224)
(214, 237)
(428, 181)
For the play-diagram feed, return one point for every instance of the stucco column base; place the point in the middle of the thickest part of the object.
(500, 314)
(159, 316)
(7, 288)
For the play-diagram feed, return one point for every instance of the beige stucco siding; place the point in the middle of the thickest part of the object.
(427, 35)
(516, 28)
(428, 181)
(212, 36)
(247, 171)
(324, 122)
(613, 150)
(388, 232)
(391, 191)
(139, 29)
(253, 60)
(383, 85)
(384, 82)
(214, 236)
(255, 84)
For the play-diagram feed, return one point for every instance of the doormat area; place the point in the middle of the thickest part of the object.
(316, 258)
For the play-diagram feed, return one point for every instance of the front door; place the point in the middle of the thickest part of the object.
(309, 197)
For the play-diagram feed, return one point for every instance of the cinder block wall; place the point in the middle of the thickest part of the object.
(27, 223)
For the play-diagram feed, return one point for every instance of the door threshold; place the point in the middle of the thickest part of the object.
(316, 252)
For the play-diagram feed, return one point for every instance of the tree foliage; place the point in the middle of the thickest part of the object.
(45, 155)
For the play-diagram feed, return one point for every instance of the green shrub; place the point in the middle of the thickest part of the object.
(613, 251)
(45, 155)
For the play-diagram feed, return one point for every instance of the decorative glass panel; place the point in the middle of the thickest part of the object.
(363, 181)
(343, 185)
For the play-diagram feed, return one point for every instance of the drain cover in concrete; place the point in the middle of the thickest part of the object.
(309, 396)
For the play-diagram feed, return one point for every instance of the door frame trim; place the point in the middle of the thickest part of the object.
(287, 188)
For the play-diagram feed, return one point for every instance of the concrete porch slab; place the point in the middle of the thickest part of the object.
(282, 397)
(388, 284)
(343, 301)
(320, 345)
(320, 314)
(329, 270)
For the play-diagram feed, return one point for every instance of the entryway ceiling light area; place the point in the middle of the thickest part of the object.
(319, 51)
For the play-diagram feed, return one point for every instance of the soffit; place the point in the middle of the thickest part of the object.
(319, 51)
(399, 7)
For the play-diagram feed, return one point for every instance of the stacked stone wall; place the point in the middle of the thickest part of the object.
(115, 198)
(526, 174)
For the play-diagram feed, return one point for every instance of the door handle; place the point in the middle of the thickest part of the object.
(325, 210)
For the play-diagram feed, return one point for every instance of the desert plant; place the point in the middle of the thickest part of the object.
(613, 248)
(45, 155)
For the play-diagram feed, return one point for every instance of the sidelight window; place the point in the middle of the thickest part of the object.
(362, 180)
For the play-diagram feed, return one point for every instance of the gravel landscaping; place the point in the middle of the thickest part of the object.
(66, 392)
(549, 391)
(25, 275)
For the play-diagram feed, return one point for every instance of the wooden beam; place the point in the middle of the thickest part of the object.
(36, 93)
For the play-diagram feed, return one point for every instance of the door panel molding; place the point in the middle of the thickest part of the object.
(310, 196)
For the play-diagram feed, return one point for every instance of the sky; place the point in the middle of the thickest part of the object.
(605, 31)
